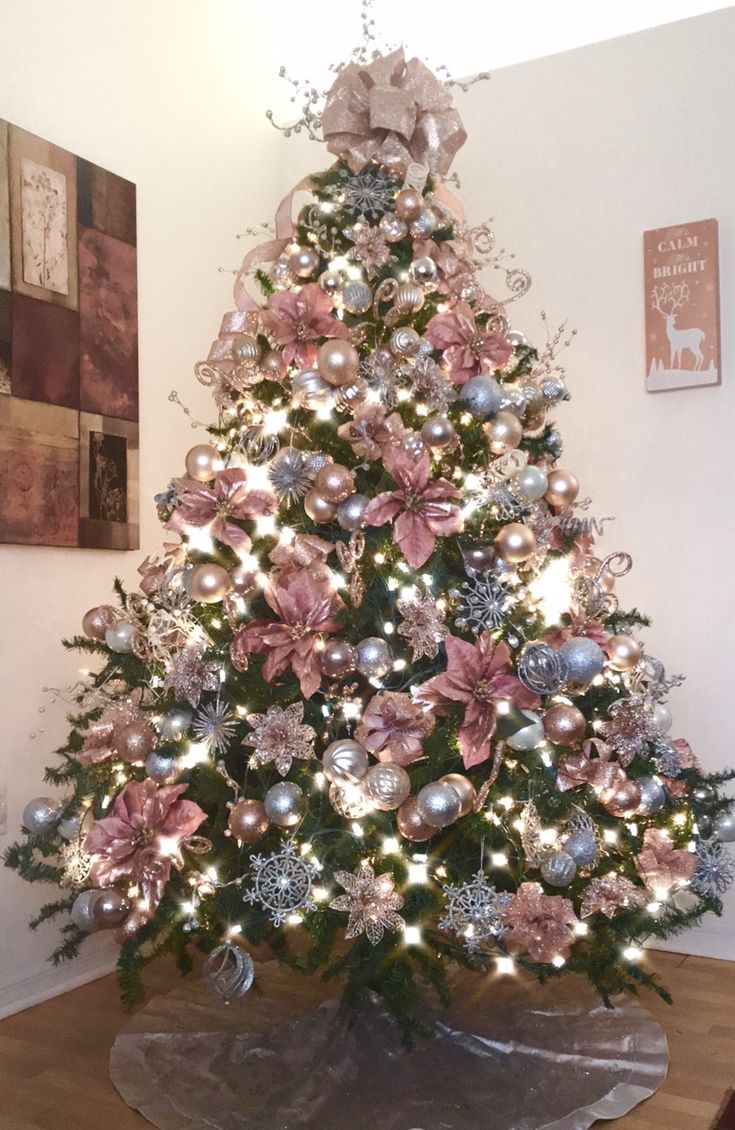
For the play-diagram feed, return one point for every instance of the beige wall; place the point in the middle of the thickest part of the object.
(575, 155)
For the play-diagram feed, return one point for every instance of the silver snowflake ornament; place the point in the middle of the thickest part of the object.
(484, 603)
(282, 883)
(369, 193)
(214, 726)
(371, 902)
(715, 869)
(474, 911)
(279, 736)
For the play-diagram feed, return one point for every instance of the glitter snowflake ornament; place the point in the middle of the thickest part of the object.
(282, 883)
(371, 902)
(214, 726)
(369, 193)
(76, 864)
(715, 869)
(474, 911)
(279, 736)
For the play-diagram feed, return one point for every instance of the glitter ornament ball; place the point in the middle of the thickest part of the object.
(583, 847)
(373, 657)
(653, 795)
(202, 462)
(357, 297)
(248, 821)
(109, 910)
(350, 513)
(482, 397)
(424, 225)
(82, 911)
(283, 804)
(121, 638)
(135, 741)
(558, 868)
(208, 583)
(585, 659)
(622, 799)
(175, 723)
(337, 659)
(334, 482)
(345, 762)
(529, 736)
(438, 805)
(563, 488)
(464, 789)
(410, 825)
(504, 432)
(564, 725)
(515, 543)
(723, 827)
(438, 432)
(97, 621)
(338, 361)
(162, 768)
(303, 262)
(318, 509)
(40, 815)
(623, 652)
(387, 785)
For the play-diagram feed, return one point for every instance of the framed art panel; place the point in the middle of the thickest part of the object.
(108, 482)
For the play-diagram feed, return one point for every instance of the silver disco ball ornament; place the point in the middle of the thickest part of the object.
(438, 805)
(357, 297)
(40, 815)
(284, 803)
(558, 868)
(373, 657)
(583, 657)
(542, 669)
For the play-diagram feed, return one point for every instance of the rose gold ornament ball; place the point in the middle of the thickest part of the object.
(273, 365)
(248, 821)
(244, 579)
(97, 620)
(318, 509)
(338, 361)
(563, 488)
(464, 789)
(504, 432)
(202, 462)
(337, 659)
(623, 652)
(110, 909)
(621, 800)
(564, 725)
(135, 741)
(209, 583)
(515, 543)
(409, 204)
(410, 824)
(334, 482)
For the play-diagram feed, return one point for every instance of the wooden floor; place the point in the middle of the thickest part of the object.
(54, 1057)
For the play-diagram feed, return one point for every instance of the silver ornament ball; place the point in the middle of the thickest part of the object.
(653, 795)
(584, 659)
(331, 282)
(162, 767)
(405, 341)
(350, 512)
(175, 723)
(529, 736)
(345, 762)
(438, 805)
(303, 262)
(357, 297)
(542, 669)
(723, 827)
(423, 271)
(530, 484)
(387, 785)
(392, 227)
(558, 868)
(582, 846)
(110, 909)
(70, 825)
(40, 815)
(121, 638)
(82, 911)
(438, 431)
(283, 804)
(309, 389)
(373, 657)
(662, 718)
(482, 397)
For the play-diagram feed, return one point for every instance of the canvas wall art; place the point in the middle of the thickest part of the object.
(68, 349)
(681, 278)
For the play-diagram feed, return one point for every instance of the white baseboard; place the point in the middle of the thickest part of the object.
(50, 981)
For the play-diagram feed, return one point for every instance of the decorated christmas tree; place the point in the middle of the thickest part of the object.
(375, 707)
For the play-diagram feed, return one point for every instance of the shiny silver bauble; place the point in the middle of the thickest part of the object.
(558, 868)
(121, 638)
(438, 805)
(284, 804)
(345, 762)
(373, 657)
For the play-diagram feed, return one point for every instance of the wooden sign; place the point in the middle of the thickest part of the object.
(682, 287)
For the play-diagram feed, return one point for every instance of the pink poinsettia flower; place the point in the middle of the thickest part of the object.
(372, 430)
(393, 727)
(306, 605)
(661, 865)
(213, 507)
(421, 509)
(295, 319)
(465, 345)
(543, 924)
(476, 676)
(142, 838)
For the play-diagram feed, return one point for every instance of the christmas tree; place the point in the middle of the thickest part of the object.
(375, 705)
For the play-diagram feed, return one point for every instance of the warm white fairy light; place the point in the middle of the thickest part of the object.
(548, 836)
(196, 753)
(558, 961)
(499, 859)
(680, 819)
(581, 928)
(390, 846)
(418, 872)
(552, 590)
(320, 894)
(379, 559)
(632, 953)
(399, 664)
(412, 935)
(275, 421)
(324, 411)
(265, 525)
(199, 539)
(234, 930)
(653, 907)
(505, 966)
(610, 836)
(293, 920)
(357, 830)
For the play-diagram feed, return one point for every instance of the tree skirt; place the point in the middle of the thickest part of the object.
(507, 1055)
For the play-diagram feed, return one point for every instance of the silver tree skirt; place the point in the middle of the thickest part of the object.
(506, 1056)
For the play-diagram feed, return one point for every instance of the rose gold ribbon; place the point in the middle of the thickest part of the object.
(269, 251)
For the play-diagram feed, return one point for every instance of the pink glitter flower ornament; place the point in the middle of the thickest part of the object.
(141, 840)
(213, 507)
(296, 319)
(421, 509)
(477, 677)
(465, 345)
(543, 924)
(661, 865)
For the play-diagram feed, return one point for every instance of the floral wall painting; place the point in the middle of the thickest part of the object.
(681, 274)
(68, 349)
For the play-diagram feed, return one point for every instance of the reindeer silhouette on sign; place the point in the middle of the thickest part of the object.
(667, 299)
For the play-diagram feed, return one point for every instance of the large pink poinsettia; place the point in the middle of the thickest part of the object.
(464, 344)
(295, 319)
(421, 509)
(140, 840)
(476, 676)
(230, 497)
(305, 604)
